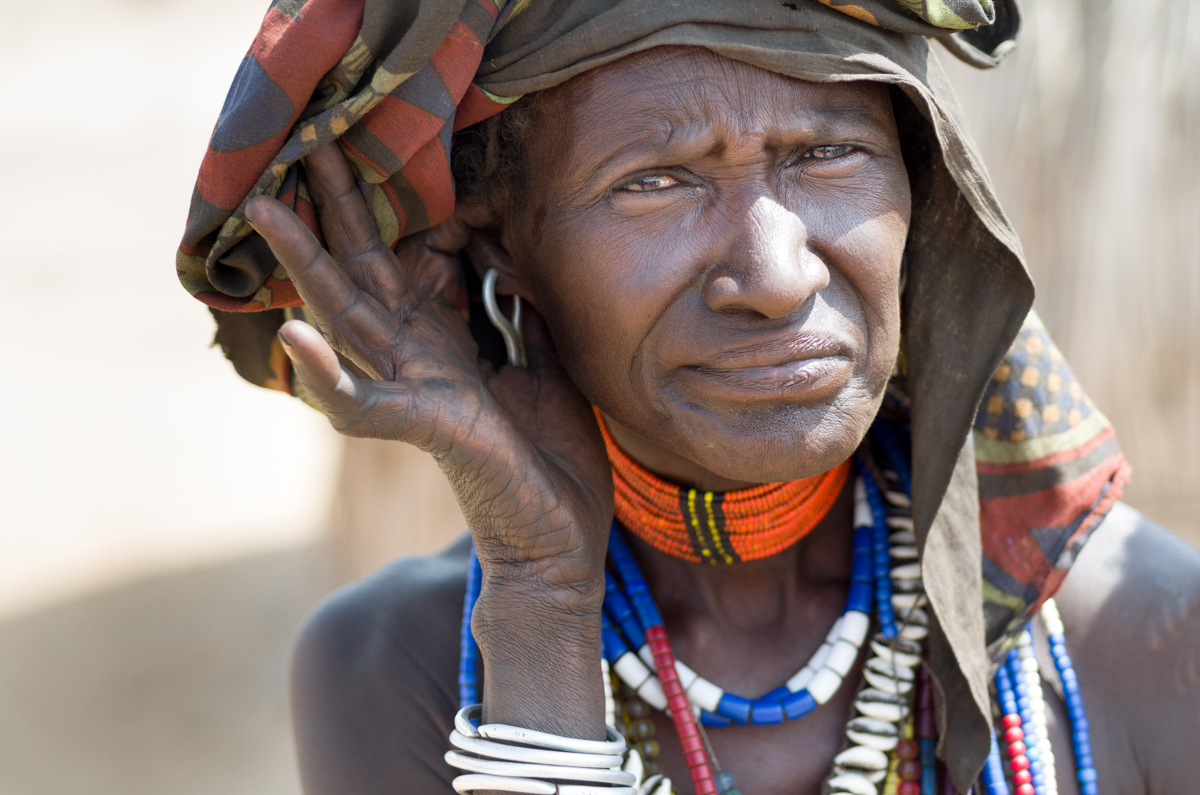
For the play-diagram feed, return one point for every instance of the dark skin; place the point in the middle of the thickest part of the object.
(716, 267)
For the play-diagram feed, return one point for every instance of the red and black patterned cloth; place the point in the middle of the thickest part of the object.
(1049, 468)
(313, 75)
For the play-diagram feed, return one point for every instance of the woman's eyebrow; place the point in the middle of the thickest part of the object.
(654, 140)
(681, 139)
(839, 116)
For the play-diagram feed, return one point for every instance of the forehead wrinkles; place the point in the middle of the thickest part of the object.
(691, 97)
(676, 98)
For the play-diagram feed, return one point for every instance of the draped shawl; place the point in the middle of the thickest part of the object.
(1012, 464)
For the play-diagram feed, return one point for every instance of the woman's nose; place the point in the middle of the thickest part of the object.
(767, 267)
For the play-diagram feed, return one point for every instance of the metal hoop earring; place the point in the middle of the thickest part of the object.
(514, 342)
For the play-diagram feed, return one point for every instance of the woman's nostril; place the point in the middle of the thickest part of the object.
(772, 286)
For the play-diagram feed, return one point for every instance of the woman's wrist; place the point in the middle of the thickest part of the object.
(511, 617)
(541, 652)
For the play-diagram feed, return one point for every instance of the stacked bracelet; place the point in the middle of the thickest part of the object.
(511, 759)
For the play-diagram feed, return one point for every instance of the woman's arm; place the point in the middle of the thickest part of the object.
(374, 680)
(520, 446)
(1131, 606)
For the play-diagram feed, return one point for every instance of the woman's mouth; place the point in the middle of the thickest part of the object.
(812, 379)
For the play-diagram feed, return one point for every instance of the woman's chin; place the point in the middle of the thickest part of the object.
(786, 443)
(773, 470)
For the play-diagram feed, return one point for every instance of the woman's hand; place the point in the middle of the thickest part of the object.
(520, 446)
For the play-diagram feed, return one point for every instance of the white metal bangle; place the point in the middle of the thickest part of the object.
(534, 756)
(499, 767)
(466, 721)
(511, 759)
(475, 782)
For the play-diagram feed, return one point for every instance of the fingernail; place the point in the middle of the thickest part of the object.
(248, 213)
(287, 348)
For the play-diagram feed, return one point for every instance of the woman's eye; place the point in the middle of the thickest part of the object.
(650, 183)
(827, 151)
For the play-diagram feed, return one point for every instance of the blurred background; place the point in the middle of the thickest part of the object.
(164, 527)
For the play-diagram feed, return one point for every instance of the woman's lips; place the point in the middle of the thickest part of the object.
(806, 367)
(809, 379)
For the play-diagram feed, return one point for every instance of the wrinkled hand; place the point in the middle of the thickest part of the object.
(520, 446)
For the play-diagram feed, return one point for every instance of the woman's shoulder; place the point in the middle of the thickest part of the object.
(1135, 574)
(374, 679)
(401, 592)
(1131, 605)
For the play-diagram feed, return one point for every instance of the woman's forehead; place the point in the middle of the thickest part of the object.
(678, 87)
(677, 95)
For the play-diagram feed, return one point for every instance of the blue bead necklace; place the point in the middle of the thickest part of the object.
(468, 659)
(1085, 770)
(629, 610)
(1019, 695)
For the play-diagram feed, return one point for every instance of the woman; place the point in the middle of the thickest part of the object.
(745, 236)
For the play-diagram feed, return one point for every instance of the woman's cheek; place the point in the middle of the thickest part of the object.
(867, 256)
(581, 297)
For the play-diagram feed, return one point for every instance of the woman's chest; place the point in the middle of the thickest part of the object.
(791, 758)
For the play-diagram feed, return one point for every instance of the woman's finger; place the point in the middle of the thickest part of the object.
(353, 406)
(353, 318)
(430, 259)
(337, 392)
(350, 231)
(365, 408)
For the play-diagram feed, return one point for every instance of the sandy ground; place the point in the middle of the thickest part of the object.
(172, 685)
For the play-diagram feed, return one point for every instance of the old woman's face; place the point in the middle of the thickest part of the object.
(716, 250)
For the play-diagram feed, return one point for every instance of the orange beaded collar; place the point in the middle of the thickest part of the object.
(715, 527)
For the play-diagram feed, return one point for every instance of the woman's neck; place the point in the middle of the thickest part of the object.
(668, 465)
(750, 626)
(770, 605)
(755, 595)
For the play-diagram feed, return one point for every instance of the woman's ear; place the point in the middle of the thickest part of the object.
(476, 216)
(486, 249)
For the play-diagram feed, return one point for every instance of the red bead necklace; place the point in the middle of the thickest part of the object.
(715, 527)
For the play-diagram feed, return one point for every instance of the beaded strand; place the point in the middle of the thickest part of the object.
(713, 527)
(905, 769)
(694, 754)
(880, 554)
(926, 737)
(1014, 730)
(468, 654)
(639, 729)
(814, 684)
(1085, 771)
(886, 576)
(894, 440)
(992, 774)
(889, 674)
(1023, 718)
(1026, 684)
(672, 688)
(1044, 779)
